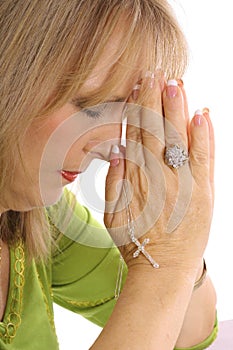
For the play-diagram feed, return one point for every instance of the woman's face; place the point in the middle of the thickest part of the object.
(60, 145)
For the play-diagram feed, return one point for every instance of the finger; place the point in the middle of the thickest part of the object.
(211, 146)
(152, 121)
(186, 110)
(174, 112)
(114, 179)
(200, 148)
(151, 91)
(145, 121)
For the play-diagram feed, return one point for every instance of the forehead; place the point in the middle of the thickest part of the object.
(107, 60)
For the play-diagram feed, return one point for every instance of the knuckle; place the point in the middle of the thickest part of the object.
(133, 134)
(200, 157)
(179, 137)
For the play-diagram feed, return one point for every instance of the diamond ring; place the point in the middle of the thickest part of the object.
(175, 156)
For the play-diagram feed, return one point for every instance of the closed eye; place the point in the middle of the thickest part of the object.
(95, 112)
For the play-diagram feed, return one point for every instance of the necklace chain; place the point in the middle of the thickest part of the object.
(140, 246)
(131, 232)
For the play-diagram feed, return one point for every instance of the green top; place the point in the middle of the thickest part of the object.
(80, 276)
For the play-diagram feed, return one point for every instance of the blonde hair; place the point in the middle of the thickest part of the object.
(48, 49)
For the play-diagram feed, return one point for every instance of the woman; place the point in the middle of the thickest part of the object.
(70, 71)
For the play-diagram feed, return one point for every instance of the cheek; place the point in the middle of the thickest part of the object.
(41, 132)
(42, 129)
(111, 131)
(34, 144)
(105, 135)
(94, 144)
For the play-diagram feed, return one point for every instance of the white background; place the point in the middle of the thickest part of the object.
(209, 83)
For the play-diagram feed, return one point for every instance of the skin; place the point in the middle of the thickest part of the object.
(179, 254)
(182, 262)
(39, 181)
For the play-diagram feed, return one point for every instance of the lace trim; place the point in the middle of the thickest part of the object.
(84, 304)
(9, 327)
(49, 313)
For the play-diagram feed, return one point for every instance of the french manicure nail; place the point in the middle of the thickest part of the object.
(115, 149)
(172, 82)
(135, 91)
(150, 75)
(198, 117)
(172, 88)
(206, 110)
(115, 161)
(198, 112)
(180, 82)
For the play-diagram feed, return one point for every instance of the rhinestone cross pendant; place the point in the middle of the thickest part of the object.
(141, 249)
(131, 233)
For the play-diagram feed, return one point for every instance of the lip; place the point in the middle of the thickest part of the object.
(70, 176)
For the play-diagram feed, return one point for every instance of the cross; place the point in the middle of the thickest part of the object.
(141, 249)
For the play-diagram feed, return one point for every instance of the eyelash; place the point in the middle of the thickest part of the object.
(97, 111)
(92, 113)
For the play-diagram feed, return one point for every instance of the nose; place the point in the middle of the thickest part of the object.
(102, 149)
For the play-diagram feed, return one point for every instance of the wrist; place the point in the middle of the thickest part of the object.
(172, 272)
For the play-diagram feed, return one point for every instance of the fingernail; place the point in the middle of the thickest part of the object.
(150, 75)
(136, 91)
(198, 112)
(114, 162)
(205, 110)
(180, 82)
(172, 88)
(115, 149)
(198, 117)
